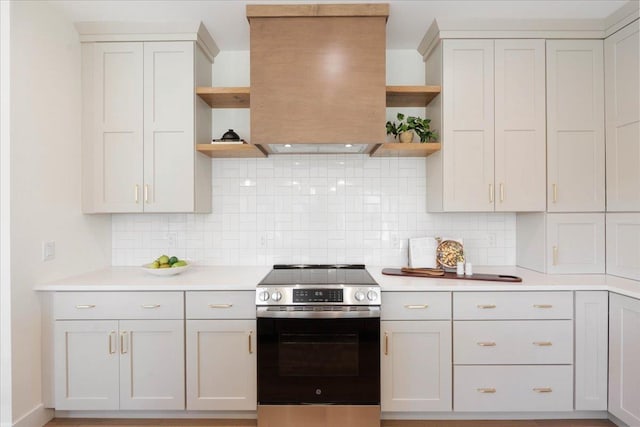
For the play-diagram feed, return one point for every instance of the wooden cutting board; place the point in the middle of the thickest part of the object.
(452, 275)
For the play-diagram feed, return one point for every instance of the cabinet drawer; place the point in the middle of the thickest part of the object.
(512, 305)
(416, 306)
(512, 388)
(118, 305)
(513, 342)
(221, 305)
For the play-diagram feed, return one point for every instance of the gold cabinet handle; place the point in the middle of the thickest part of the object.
(386, 344)
(85, 306)
(486, 344)
(490, 193)
(555, 193)
(486, 390)
(486, 306)
(543, 389)
(123, 350)
(501, 192)
(542, 306)
(111, 335)
(146, 193)
(543, 343)
(555, 255)
(416, 306)
(220, 305)
(150, 306)
(250, 348)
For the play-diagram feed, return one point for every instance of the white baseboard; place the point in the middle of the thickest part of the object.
(37, 417)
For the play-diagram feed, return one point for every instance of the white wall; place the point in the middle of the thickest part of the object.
(45, 184)
(319, 208)
(5, 227)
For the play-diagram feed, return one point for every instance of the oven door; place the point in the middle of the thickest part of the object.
(319, 361)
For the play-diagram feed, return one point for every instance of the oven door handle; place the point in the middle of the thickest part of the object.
(290, 313)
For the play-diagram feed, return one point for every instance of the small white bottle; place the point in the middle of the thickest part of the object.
(468, 269)
(460, 268)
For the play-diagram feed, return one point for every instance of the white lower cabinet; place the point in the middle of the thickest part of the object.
(591, 358)
(513, 388)
(512, 359)
(221, 351)
(118, 350)
(86, 365)
(415, 363)
(110, 364)
(416, 366)
(624, 367)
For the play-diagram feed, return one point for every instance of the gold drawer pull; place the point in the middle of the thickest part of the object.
(543, 343)
(84, 306)
(487, 390)
(220, 305)
(542, 306)
(124, 337)
(151, 306)
(486, 344)
(543, 389)
(111, 335)
(416, 306)
(486, 306)
(386, 344)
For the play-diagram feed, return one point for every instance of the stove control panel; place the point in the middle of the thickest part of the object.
(308, 295)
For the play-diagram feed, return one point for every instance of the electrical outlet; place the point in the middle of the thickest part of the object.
(172, 238)
(491, 240)
(48, 250)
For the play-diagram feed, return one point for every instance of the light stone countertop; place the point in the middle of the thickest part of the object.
(228, 278)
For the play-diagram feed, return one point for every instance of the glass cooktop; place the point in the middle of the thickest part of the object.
(318, 274)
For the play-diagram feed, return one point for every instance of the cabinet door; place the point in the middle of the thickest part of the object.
(591, 337)
(575, 102)
(152, 364)
(468, 125)
(416, 366)
(221, 365)
(520, 125)
(623, 250)
(624, 369)
(622, 85)
(575, 243)
(115, 128)
(169, 148)
(86, 365)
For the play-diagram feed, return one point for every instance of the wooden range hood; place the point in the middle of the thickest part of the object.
(318, 76)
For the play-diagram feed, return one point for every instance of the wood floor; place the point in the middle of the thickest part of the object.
(81, 422)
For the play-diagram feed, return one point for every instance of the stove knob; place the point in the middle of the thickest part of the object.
(276, 296)
(359, 295)
(264, 296)
(372, 295)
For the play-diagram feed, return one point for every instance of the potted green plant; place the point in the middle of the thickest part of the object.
(404, 129)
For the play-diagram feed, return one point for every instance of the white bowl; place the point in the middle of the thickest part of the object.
(171, 271)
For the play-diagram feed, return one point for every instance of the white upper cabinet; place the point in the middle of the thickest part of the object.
(493, 121)
(575, 126)
(468, 109)
(519, 125)
(140, 126)
(622, 85)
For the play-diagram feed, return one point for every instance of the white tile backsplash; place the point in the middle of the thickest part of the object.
(312, 209)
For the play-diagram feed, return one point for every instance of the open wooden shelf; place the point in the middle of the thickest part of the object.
(411, 96)
(225, 97)
(403, 149)
(240, 97)
(229, 151)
